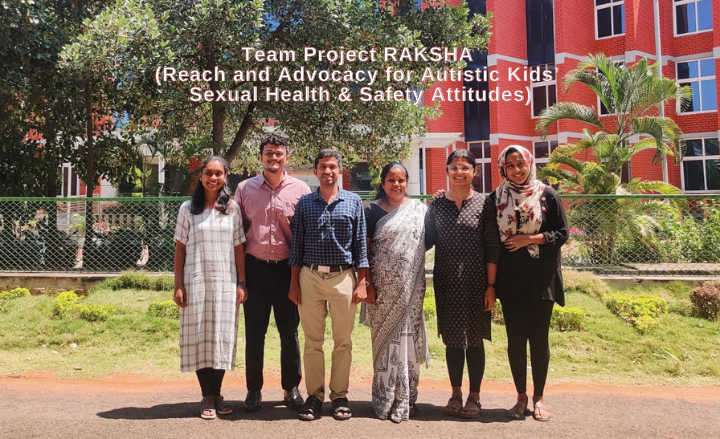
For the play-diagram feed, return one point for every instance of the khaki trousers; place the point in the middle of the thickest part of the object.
(321, 292)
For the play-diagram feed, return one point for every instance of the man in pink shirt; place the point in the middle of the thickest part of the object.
(268, 204)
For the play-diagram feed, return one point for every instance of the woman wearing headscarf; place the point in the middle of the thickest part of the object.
(532, 225)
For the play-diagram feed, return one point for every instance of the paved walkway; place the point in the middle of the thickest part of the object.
(122, 407)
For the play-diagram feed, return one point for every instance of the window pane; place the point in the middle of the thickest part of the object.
(683, 70)
(711, 147)
(681, 19)
(709, 101)
(707, 67)
(541, 150)
(551, 95)
(604, 26)
(694, 148)
(553, 145)
(476, 150)
(486, 149)
(695, 106)
(618, 19)
(601, 2)
(693, 172)
(691, 17)
(704, 10)
(712, 169)
(539, 100)
(487, 177)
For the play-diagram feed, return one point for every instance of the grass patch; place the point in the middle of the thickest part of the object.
(681, 350)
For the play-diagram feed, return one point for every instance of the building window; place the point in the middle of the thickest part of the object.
(483, 177)
(360, 179)
(609, 18)
(701, 165)
(700, 76)
(544, 93)
(542, 151)
(692, 16)
(70, 182)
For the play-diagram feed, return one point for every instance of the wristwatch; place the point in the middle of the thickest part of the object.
(241, 283)
(367, 284)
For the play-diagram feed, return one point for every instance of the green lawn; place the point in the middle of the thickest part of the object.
(682, 351)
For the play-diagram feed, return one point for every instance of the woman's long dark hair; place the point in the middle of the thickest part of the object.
(383, 174)
(197, 205)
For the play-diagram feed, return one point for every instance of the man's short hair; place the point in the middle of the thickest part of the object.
(325, 153)
(275, 138)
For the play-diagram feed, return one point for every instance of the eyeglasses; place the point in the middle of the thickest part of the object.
(462, 168)
(270, 154)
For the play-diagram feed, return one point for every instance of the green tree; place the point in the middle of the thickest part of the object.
(629, 93)
(208, 33)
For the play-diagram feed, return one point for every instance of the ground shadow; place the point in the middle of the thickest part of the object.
(276, 410)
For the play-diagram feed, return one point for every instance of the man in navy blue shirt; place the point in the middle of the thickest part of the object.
(329, 266)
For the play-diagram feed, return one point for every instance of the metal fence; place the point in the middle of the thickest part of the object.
(613, 235)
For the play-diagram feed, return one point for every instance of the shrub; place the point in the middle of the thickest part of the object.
(14, 293)
(166, 308)
(133, 279)
(66, 305)
(96, 313)
(706, 301)
(643, 312)
(585, 282)
(568, 319)
(6, 296)
(497, 314)
(164, 283)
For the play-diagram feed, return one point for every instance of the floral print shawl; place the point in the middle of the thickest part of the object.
(518, 205)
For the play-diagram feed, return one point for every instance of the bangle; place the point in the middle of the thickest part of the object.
(491, 285)
(241, 283)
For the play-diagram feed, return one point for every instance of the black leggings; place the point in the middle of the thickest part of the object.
(455, 358)
(210, 380)
(528, 322)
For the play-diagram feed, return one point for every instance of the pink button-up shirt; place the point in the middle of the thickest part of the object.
(267, 215)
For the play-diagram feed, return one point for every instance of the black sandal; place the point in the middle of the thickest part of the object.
(311, 409)
(341, 409)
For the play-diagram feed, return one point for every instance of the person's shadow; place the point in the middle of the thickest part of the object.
(275, 410)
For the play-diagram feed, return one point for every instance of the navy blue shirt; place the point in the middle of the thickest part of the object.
(329, 234)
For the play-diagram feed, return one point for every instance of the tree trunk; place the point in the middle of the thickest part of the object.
(218, 108)
(241, 134)
(89, 146)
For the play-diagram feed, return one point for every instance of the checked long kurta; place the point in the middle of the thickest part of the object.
(209, 322)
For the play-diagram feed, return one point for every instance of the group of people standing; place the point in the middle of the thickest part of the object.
(278, 246)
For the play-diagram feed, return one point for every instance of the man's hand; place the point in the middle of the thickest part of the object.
(180, 297)
(294, 294)
(241, 294)
(360, 293)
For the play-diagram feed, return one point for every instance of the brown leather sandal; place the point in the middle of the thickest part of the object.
(454, 406)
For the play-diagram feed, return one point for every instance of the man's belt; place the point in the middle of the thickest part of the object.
(329, 268)
(266, 261)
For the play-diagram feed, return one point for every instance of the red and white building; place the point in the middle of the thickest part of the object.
(555, 34)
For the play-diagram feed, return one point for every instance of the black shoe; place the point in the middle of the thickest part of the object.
(293, 399)
(311, 409)
(252, 401)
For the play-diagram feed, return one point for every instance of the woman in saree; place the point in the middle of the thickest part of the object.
(396, 290)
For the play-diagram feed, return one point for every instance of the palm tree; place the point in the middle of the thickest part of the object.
(628, 94)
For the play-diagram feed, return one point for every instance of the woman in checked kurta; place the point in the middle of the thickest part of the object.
(396, 243)
(209, 283)
(467, 249)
